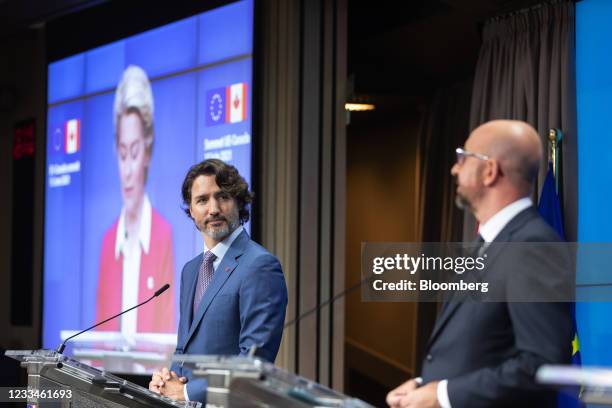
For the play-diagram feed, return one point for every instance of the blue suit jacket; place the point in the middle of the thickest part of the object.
(244, 305)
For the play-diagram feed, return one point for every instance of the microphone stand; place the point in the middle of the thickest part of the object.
(161, 290)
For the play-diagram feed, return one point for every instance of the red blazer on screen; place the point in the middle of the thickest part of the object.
(156, 269)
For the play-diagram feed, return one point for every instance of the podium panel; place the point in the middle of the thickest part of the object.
(594, 383)
(83, 385)
(238, 382)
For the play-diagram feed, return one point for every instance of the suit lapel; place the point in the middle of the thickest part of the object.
(450, 306)
(220, 276)
(505, 235)
(190, 282)
(444, 317)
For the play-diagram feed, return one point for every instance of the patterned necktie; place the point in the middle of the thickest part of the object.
(481, 246)
(205, 275)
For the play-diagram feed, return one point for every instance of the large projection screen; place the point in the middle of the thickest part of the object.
(593, 90)
(125, 121)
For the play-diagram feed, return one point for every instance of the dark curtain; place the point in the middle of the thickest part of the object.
(526, 71)
(445, 125)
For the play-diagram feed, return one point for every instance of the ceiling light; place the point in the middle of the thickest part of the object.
(358, 107)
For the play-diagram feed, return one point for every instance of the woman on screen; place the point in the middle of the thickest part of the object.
(137, 256)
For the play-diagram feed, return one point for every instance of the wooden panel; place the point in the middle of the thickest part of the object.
(339, 193)
(302, 164)
(380, 190)
(279, 135)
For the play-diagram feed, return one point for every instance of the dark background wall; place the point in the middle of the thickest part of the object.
(382, 197)
(410, 59)
(22, 91)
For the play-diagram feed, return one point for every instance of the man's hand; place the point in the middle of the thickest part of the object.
(167, 383)
(410, 395)
(158, 379)
(174, 387)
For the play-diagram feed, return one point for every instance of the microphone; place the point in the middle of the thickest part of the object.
(329, 301)
(161, 290)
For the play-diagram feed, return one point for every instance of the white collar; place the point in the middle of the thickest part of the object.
(144, 232)
(497, 222)
(221, 248)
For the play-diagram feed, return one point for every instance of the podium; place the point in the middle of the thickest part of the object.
(595, 382)
(237, 382)
(58, 381)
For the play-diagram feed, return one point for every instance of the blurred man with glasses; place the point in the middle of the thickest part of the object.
(486, 354)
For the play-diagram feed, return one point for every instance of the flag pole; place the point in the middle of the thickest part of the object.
(554, 140)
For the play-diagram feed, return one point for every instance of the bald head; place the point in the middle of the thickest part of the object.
(515, 145)
(498, 166)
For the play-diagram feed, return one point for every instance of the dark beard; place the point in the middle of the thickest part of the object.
(462, 203)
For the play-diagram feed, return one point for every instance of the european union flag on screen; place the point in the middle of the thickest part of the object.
(550, 209)
(216, 106)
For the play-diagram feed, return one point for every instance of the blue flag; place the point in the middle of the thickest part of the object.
(550, 209)
(550, 206)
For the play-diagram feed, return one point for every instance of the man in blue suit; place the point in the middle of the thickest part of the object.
(233, 295)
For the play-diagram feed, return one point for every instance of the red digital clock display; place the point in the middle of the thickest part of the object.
(24, 142)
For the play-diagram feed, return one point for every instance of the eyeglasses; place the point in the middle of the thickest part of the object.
(462, 154)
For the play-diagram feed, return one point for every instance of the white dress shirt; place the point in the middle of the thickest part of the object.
(219, 250)
(489, 231)
(132, 251)
(494, 225)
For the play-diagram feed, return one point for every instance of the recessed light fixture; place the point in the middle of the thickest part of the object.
(358, 107)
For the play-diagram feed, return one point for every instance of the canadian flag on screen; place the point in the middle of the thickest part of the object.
(236, 102)
(73, 136)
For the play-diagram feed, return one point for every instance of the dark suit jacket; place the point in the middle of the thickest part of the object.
(489, 352)
(244, 305)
